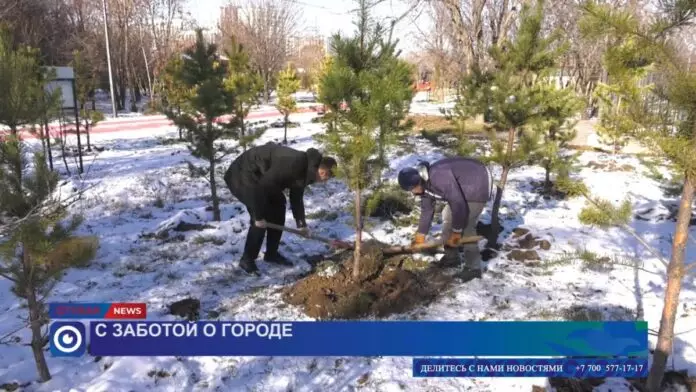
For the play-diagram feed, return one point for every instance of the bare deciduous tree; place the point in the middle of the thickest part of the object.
(265, 27)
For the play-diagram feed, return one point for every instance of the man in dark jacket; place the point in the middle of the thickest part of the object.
(258, 178)
(465, 184)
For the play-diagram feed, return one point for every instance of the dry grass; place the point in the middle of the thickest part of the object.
(430, 123)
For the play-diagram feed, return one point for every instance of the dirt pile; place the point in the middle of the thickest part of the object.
(385, 286)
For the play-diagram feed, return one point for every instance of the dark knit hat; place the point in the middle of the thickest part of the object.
(409, 178)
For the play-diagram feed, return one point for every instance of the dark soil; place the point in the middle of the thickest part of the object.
(552, 193)
(389, 206)
(384, 287)
(575, 384)
(522, 238)
(523, 255)
(188, 308)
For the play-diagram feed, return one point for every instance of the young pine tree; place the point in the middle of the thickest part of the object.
(621, 100)
(86, 81)
(329, 94)
(640, 45)
(204, 74)
(288, 84)
(175, 95)
(245, 85)
(513, 96)
(359, 76)
(19, 83)
(556, 130)
(40, 247)
(48, 106)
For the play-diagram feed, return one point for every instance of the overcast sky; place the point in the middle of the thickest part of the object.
(327, 16)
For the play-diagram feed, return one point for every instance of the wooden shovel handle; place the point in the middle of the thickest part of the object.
(325, 240)
(392, 250)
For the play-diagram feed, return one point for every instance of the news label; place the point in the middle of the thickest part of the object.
(98, 310)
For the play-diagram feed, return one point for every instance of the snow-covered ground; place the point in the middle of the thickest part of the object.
(141, 185)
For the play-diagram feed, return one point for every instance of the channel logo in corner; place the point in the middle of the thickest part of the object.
(68, 339)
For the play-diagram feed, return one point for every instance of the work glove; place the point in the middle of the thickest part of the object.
(305, 230)
(260, 223)
(418, 239)
(453, 240)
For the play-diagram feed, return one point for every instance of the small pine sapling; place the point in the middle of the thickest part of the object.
(203, 74)
(40, 247)
(288, 84)
(511, 97)
(245, 85)
(175, 95)
(86, 81)
(557, 129)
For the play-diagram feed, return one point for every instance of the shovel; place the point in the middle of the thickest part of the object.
(390, 250)
(432, 246)
(330, 241)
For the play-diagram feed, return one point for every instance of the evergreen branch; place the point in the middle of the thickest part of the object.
(632, 232)
(688, 269)
(12, 333)
(4, 273)
(38, 210)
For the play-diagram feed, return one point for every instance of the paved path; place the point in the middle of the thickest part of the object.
(146, 122)
(587, 136)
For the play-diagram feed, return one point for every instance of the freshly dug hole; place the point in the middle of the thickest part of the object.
(383, 287)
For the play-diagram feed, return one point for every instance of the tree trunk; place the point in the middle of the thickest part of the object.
(48, 144)
(266, 95)
(42, 134)
(547, 179)
(213, 184)
(62, 149)
(285, 136)
(243, 133)
(87, 127)
(35, 320)
(380, 156)
(495, 212)
(18, 163)
(358, 235)
(675, 274)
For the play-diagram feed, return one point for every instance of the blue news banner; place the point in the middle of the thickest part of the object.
(616, 347)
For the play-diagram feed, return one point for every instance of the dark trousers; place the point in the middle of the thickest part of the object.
(255, 235)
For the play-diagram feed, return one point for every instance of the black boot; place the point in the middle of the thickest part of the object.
(249, 266)
(452, 258)
(277, 258)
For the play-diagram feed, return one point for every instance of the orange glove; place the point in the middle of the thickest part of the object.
(453, 240)
(419, 239)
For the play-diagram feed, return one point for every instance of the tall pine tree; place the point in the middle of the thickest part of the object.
(203, 73)
(288, 84)
(640, 45)
(511, 94)
(245, 85)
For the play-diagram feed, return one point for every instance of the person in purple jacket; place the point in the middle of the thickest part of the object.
(466, 185)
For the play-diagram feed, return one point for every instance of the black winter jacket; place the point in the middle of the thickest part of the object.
(271, 168)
